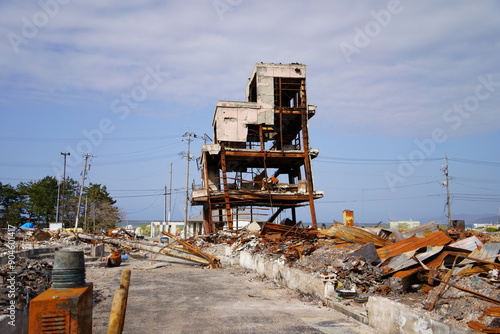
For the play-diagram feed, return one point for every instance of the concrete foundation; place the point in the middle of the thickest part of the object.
(29, 253)
(393, 318)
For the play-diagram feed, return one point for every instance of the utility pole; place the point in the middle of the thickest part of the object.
(86, 156)
(170, 198)
(58, 198)
(165, 205)
(63, 185)
(85, 225)
(446, 173)
(188, 157)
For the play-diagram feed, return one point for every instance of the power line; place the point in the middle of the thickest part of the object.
(379, 199)
(386, 188)
(477, 162)
(116, 139)
(475, 187)
(357, 161)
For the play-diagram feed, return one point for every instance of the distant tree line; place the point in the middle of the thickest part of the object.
(36, 202)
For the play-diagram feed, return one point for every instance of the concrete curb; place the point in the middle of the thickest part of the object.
(29, 253)
(385, 315)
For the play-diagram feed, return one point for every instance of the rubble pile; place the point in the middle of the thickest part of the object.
(452, 274)
(30, 277)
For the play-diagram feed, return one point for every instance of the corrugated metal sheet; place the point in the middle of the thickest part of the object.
(471, 243)
(487, 252)
(406, 245)
(420, 231)
(354, 234)
(405, 260)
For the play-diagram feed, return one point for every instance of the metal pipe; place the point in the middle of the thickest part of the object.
(150, 248)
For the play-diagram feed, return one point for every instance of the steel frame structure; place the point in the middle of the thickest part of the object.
(260, 159)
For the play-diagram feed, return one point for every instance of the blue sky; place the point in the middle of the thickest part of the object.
(399, 85)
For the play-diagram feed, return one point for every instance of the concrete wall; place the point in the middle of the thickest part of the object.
(393, 318)
(292, 278)
(28, 253)
(231, 119)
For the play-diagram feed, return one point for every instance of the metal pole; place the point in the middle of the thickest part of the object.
(187, 185)
(58, 199)
(170, 197)
(447, 174)
(165, 204)
(85, 226)
(63, 185)
(86, 156)
(165, 208)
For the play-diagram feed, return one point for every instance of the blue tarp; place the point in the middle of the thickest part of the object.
(27, 225)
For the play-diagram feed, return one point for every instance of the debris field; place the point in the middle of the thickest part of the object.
(451, 275)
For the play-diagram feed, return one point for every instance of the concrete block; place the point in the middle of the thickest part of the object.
(391, 317)
(97, 250)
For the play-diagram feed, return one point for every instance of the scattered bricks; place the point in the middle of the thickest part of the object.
(31, 278)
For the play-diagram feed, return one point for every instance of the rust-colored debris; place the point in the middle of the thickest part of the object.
(285, 230)
(114, 259)
(354, 234)
(436, 239)
(214, 261)
(477, 326)
(417, 260)
(493, 311)
(187, 252)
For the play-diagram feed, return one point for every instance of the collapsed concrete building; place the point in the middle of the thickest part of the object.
(260, 158)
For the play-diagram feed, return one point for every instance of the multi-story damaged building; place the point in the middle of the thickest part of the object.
(260, 159)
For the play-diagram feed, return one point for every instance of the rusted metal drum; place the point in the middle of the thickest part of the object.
(69, 270)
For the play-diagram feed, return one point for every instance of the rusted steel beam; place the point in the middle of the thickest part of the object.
(477, 326)
(271, 228)
(226, 188)
(269, 154)
(213, 261)
(477, 294)
(493, 311)
(441, 290)
(185, 255)
(274, 215)
(308, 169)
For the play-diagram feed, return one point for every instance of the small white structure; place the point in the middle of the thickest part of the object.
(403, 224)
(55, 226)
(158, 227)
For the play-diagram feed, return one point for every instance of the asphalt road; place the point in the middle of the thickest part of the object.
(184, 298)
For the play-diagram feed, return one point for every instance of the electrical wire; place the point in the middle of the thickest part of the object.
(379, 199)
(115, 139)
(356, 161)
(477, 162)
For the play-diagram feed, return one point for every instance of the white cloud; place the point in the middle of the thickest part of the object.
(426, 59)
